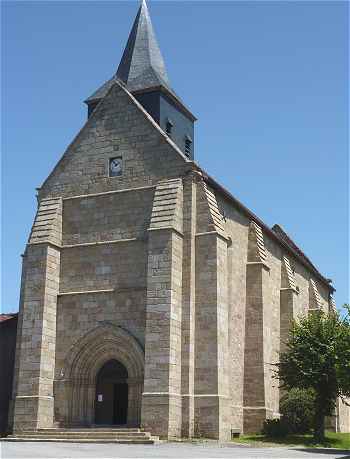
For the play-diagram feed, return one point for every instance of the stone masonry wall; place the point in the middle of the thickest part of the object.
(104, 245)
(160, 255)
(104, 266)
(188, 305)
(161, 402)
(237, 228)
(34, 385)
(212, 367)
(107, 217)
(119, 126)
(103, 271)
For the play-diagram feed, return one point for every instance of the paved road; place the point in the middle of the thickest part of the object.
(163, 450)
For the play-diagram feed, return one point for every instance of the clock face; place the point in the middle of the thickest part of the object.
(115, 167)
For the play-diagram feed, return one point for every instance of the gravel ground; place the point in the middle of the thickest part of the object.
(48, 450)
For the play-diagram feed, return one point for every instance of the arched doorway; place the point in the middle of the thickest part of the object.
(75, 387)
(111, 402)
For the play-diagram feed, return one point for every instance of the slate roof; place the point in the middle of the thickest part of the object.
(276, 232)
(287, 239)
(142, 65)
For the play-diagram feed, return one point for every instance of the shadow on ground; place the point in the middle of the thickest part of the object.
(326, 451)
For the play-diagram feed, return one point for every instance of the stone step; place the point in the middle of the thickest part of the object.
(86, 435)
(105, 436)
(102, 434)
(83, 432)
(59, 439)
(90, 429)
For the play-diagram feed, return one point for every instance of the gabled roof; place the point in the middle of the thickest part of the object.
(142, 65)
(101, 91)
(91, 120)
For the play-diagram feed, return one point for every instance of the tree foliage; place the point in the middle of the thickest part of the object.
(297, 408)
(275, 428)
(317, 357)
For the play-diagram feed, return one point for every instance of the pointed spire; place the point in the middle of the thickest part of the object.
(142, 65)
(142, 69)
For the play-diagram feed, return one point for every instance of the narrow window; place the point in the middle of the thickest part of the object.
(188, 146)
(169, 127)
(115, 166)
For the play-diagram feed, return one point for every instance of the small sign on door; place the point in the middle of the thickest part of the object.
(100, 398)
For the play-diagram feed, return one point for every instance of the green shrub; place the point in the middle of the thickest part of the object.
(297, 410)
(275, 428)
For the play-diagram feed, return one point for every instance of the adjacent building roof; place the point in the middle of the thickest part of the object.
(4, 317)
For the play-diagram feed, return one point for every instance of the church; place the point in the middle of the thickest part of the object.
(151, 297)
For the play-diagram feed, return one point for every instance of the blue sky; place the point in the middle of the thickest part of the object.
(267, 81)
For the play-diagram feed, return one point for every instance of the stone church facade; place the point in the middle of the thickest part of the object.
(144, 277)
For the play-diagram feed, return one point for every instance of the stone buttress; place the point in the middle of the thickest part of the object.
(288, 296)
(36, 339)
(256, 377)
(188, 303)
(161, 402)
(211, 379)
(315, 302)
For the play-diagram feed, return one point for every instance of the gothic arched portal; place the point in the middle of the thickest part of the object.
(106, 348)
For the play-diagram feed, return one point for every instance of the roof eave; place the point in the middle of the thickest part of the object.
(212, 182)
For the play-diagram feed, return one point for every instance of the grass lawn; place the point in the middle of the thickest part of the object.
(333, 440)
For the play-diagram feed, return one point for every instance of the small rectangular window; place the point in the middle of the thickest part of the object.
(115, 167)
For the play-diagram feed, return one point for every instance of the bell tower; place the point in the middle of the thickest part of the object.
(142, 70)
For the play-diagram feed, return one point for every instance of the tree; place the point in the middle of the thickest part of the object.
(317, 357)
(297, 407)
